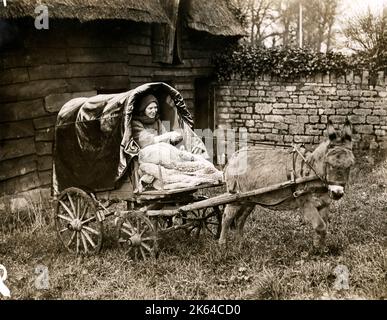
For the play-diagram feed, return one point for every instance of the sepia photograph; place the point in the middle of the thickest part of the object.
(213, 152)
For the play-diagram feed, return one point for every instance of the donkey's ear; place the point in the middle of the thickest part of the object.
(347, 130)
(331, 131)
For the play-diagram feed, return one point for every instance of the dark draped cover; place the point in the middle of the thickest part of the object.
(93, 137)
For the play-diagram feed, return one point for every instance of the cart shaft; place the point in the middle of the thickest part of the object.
(227, 198)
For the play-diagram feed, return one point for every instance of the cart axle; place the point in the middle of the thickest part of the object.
(75, 225)
(135, 240)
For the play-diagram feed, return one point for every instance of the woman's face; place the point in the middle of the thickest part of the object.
(151, 110)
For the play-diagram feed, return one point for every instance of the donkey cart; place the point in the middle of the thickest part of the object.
(97, 164)
(96, 170)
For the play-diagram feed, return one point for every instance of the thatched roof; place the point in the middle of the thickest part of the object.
(87, 10)
(213, 16)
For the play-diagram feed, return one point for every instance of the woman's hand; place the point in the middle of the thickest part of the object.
(172, 137)
(175, 137)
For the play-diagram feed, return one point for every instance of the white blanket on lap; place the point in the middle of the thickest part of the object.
(165, 167)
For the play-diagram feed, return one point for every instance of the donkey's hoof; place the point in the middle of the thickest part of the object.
(319, 247)
(222, 245)
(318, 251)
(319, 242)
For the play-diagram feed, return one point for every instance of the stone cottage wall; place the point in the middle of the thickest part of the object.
(281, 112)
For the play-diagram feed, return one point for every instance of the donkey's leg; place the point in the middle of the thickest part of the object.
(325, 214)
(313, 216)
(229, 214)
(324, 209)
(247, 209)
(235, 222)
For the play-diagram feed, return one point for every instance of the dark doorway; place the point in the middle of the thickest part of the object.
(205, 115)
(204, 104)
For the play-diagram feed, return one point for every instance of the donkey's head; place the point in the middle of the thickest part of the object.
(338, 159)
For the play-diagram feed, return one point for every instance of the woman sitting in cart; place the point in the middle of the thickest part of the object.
(161, 163)
(147, 127)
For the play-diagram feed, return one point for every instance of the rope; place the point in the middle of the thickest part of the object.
(251, 142)
(309, 165)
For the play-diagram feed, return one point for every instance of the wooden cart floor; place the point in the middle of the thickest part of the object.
(126, 193)
(153, 194)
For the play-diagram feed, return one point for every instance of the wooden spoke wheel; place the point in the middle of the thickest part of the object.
(137, 236)
(207, 221)
(76, 222)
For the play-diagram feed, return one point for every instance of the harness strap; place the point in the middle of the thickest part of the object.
(309, 165)
(292, 173)
(292, 176)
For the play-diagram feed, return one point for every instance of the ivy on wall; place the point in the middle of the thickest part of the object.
(284, 62)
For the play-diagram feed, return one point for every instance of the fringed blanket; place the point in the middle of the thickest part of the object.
(164, 167)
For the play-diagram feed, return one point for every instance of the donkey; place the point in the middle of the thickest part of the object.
(257, 167)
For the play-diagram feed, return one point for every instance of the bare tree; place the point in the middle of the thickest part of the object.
(287, 20)
(260, 17)
(367, 36)
(279, 20)
(367, 32)
(331, 16)
(319, 17)
(319, 20)
(239, 8)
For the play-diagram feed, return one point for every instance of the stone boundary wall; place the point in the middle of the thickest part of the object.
(281, 112)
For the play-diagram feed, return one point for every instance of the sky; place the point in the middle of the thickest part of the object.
(350, 8)
(353, 7)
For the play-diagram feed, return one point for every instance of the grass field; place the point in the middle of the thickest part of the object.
(274, 261)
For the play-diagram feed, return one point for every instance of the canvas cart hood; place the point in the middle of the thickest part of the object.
(93, 136)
